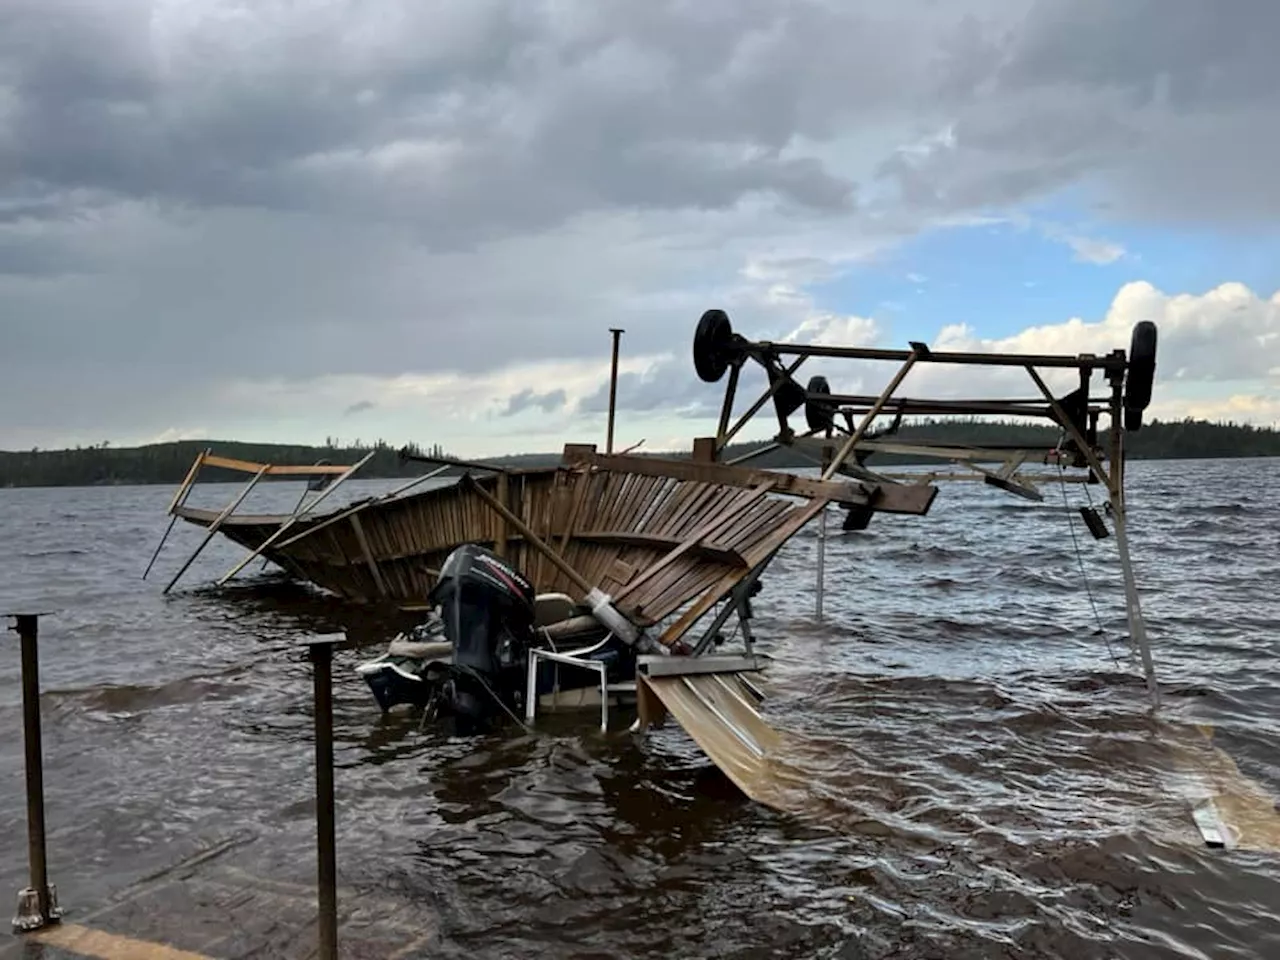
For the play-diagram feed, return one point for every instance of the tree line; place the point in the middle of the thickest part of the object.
(168, 463)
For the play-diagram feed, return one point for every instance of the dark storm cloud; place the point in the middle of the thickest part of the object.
(515, 116)
(360, 406)
(1164, 109)
(203, 191)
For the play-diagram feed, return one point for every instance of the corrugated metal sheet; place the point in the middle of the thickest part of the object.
(718, 712)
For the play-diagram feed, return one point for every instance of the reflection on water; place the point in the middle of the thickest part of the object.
(984, 778)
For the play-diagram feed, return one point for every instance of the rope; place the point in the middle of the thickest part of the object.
(1084, 576)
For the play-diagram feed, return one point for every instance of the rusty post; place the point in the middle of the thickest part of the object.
(321, 655)
(613, 388)
(38, 904)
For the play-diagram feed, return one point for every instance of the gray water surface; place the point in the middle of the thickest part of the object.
(1000, 787)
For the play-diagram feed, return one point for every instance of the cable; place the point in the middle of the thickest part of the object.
(475, 674)
(1084, 576)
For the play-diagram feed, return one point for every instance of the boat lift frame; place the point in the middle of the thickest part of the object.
(830, 419)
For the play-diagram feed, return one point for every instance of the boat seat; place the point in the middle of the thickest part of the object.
(573, 630)
(420, 649)
(549, 608)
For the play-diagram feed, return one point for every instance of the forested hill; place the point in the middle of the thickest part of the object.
(168, 462)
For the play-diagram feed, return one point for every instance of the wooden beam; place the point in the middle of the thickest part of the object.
(530, 537)
(652, 541)
(870, 415)
(357, 508)
(346, 472)
(712, 596)
(361, 539)
(884, 498)
(706, 529)
(217, 522)
(179, 498)
(277, 470)
(504, 497)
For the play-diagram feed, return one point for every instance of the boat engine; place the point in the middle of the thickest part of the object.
(488, 611)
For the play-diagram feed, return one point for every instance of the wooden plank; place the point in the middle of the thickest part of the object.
(677, 499)
(503, 493)
(248, 466)
(217, 522)
(709, 497)
(368, 554)
(884, 498)
(705, 530)
(711, 551)
(101, 945)
(345, 471)
(709, 599)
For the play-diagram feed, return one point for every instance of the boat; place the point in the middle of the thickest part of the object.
(583, 582)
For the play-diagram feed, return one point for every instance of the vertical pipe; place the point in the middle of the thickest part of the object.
(822, 540)
(613, 388)
(321, 655)
(27, 627)
(822, 557)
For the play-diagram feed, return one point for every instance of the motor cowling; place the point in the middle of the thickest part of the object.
(488, 611)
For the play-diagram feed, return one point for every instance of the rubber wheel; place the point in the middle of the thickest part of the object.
(819, 414)
(1132, 420)
(712, 345)
(1142, 366)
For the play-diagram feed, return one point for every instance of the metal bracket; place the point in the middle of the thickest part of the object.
(650, 665)
(28, 917)
(739, 602)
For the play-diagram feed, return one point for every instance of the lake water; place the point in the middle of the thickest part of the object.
(998, 787)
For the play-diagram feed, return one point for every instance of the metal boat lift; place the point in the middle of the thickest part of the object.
(839, 436)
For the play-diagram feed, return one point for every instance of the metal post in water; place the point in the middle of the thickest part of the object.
(827, 454)
(321, 655)
(613, 388)
(1137, 625)
(38, 904)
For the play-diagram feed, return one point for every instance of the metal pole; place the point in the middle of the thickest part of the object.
(613, 388)
(822, 540)
(822, 557)
(321, 655)
(1137, 625)
(38, 894)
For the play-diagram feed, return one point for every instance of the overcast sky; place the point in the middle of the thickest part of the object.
(290, 220)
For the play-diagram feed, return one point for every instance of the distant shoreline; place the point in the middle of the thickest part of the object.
(168, 463)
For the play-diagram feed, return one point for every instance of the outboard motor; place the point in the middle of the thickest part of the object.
(488, 612)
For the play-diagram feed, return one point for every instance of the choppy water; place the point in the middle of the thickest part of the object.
(995, 787)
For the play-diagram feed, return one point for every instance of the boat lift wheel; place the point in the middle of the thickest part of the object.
(819, 414)
(713, 345)
(1142, 374)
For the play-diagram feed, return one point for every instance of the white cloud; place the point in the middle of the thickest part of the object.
(1218, 352)
(1092, 250)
